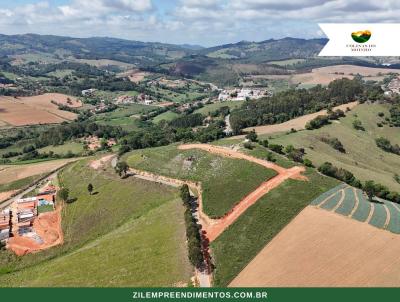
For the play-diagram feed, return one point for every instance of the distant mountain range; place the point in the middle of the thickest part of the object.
(224, 64)
(150, 53)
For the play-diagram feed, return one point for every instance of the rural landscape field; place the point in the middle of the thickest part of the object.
(150, 164)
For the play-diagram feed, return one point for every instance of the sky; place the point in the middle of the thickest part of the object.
(201, 22)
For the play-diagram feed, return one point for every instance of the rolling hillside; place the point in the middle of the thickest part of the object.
(138, 226)
(362, 157)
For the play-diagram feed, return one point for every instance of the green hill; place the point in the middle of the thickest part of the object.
(363, 158)
(218, 175)
(128, 222)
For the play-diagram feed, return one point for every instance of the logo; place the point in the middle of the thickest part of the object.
(361, 36)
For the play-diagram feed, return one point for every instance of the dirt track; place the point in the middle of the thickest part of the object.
(296, 123)
(99, 163)
(320, 248)
(215, 227)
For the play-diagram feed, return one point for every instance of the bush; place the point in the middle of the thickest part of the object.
(276, 148)
(317, 122)
(358, 125)
(386, 145)
(252, 136)
(308, 163)
(334, 143)
(248, 145)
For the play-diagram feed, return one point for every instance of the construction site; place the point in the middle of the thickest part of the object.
(32, 224)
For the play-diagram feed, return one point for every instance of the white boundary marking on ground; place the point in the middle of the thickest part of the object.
(387, 216)
(340, 201)
(356, 204)
(371, 212)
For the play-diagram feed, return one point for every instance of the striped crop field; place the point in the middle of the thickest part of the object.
(353, 203)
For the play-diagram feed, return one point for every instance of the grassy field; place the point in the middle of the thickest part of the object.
(287, 62)
(167, 116)
(362, 157)
(212, 107)
(136, 225)
(126, 123)
(218, 175)
(242, 241)
(126, 111)
(74, 147)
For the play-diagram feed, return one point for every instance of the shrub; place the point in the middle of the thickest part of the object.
(358, 125)
(276, 148)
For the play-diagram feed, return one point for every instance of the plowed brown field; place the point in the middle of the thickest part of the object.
(320, 248)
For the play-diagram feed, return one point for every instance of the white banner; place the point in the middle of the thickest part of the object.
(361, 39)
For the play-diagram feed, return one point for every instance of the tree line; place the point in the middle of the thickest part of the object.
(289, 104)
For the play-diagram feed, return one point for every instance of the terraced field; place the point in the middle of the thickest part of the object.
(351, 202)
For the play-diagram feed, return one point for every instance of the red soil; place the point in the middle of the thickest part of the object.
(47, 226)
(214, 227)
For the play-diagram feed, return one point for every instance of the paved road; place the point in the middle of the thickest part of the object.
(6, 203)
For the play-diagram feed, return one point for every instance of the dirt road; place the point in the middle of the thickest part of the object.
(215, 227)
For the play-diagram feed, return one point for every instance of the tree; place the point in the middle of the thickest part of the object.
(185, 194)
(90, 188)
(63, 194)
(122, 168)
(369, 189)
(252, 136)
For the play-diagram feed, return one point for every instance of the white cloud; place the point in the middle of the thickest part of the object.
(204, 22)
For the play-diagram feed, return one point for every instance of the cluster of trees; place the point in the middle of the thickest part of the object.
(339, 173)
(322, 120)
(179, 129)
(334, 142)
(370, 187)
(318, 122)
(395, 115)
(192, 230)
(294, 154)
(387, 146)
(293, 103)
(188, 120)
(59, 134)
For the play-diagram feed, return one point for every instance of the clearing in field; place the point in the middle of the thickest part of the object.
(39, 109)
(134, 75)
(320, 248)
(298, 123)
(136, 225)
(325, 75)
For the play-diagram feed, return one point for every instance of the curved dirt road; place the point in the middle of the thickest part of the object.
(215, 227)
